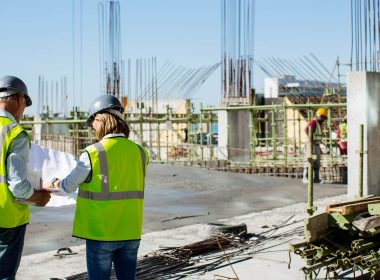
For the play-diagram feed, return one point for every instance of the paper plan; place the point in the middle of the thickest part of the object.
(46, 164)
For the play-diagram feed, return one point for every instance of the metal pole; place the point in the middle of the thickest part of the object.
(274, 135)
(285, 143)
(201, 131)
(210, 137)
(167, 134)
(189, 131)
(251, 137)
(329, 125)
(150, 129)
(158, 142)
(299, 132)
(311, 158)
(141, 123)
(361, 156)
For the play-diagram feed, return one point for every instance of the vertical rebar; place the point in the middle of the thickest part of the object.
(285, 134)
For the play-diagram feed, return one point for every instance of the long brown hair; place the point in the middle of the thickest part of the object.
(110, 124)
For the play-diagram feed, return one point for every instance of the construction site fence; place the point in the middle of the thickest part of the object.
(273, 144)
(290, 165)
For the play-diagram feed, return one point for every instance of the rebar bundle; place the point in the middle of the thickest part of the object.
(208, 255)
(365, 35)
(111, 65)
(237, 22)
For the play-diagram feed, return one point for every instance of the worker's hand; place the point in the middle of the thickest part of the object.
(53, 188)
(40, 198)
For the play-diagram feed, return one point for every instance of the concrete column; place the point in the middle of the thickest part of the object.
(363, 107)
(222, 135)
(37, 129)
(233, 133)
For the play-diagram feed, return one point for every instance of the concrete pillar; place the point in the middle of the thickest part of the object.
(363, 107)
(233, 133)
(222, 135)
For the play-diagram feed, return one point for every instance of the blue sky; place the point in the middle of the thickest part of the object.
(36, 37)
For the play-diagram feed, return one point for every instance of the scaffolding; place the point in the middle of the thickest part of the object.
(274, 138)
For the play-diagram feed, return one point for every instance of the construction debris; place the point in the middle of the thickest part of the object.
(208, 255)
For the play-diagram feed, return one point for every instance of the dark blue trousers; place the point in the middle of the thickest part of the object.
(11, 245)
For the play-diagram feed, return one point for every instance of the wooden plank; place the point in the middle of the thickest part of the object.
(354, 208)
(316, 226)
(352, 202)
(368, 223)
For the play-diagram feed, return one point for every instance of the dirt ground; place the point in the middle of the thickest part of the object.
(179, 201)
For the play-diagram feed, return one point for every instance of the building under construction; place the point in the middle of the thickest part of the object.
(250, 132)
(253, 132)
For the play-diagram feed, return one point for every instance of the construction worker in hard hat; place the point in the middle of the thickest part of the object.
(110, 177)
(16, 192)
(341, 137)
(316, 125)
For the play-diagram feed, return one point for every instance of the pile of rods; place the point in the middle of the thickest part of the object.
(340, 254)
(365, 35)
(208, 255)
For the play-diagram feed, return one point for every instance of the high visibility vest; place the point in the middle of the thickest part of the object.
(343, 131)
(12, 214)
(317, 134)
(110, 206)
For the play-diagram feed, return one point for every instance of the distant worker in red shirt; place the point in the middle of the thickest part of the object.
(316, 125)
(341, 137)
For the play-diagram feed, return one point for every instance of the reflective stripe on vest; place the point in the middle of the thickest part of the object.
(3, 134)
(105, 194)
(110, 206)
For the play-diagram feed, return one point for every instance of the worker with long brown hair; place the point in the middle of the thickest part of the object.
(110, 175)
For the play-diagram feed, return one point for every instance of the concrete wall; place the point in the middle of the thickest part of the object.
(363, 104)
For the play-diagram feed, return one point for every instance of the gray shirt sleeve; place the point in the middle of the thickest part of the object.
(78, 175)
(17, 167)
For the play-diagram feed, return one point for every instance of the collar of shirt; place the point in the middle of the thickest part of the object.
(114, 135)
(4, 113)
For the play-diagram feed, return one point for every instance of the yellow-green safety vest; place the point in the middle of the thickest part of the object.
(12, 214)
(343, 131)
(317, 134)
(110, 206)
